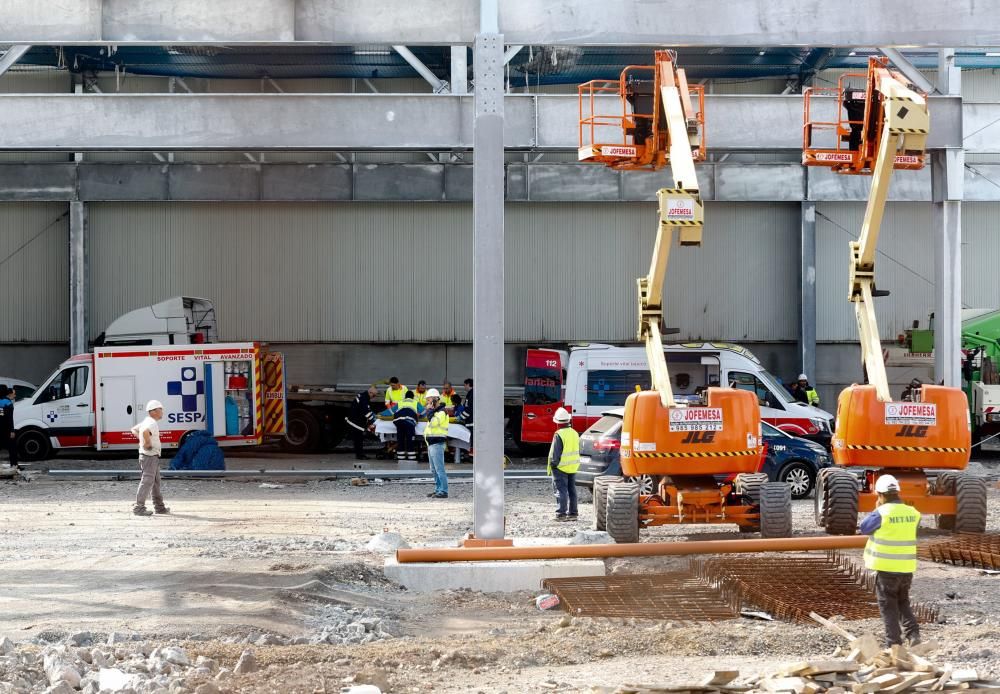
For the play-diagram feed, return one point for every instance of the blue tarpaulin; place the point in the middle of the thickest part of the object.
(200, 452)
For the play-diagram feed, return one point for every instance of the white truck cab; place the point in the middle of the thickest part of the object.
(593, 378)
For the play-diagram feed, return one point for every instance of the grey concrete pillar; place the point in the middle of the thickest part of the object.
(78, 277)
(487, 268)
(807, 291)
(459, 70)
(948, 176)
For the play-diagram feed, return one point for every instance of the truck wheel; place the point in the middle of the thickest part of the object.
(799, 477)
(944, 485)
(303, 433)
(335, 432)
(33, 445)
(601, 483)
(775, 510)
(840, 514)
(970, 502)
(748, 484)
(622, 518)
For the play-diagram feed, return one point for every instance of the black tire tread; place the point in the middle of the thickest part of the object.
(841, 502)
(944, 485)
(775, 510)
(601, 483)
(749, 484)
(622, 515)
(970, 502)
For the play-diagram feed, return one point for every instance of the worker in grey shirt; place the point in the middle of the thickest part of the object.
(148, 433)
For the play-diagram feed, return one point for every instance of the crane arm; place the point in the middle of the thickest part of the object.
(680, 207)
(905, 122)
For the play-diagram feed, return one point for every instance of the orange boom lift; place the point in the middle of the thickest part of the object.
(648, 119)
(885, 128)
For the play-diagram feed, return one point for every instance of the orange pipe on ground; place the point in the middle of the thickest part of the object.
(637, 549)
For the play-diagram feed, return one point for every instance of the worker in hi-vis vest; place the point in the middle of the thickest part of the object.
(891, 553)
(564, 461)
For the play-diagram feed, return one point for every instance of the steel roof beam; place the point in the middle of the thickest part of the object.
(246, 122)
(967, 23)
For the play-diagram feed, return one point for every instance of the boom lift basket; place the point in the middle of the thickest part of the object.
(622, 123)
(835, 121)
(722, 438)
(931, 434)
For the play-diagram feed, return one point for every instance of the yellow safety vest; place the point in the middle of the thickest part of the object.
(395, 396)
(421, 398)
(893, 547)
(438, 426)
(813, 397)
(404, 404)
(569, 461)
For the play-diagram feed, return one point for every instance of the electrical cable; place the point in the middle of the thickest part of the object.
(33, 238)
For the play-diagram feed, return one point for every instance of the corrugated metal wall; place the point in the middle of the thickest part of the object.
(34, 272)
(904, 266)
(980, 254)
(323, 272)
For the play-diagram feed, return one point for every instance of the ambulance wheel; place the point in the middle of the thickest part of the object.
(840, 513)
(601, 483)
(622, 519)
(775, 510)
(303, 432)
(748, 484)
(944, 485)
(970, 504)
(33, 445)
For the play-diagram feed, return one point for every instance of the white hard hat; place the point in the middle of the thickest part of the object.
(803, 377)
(432, 393)
(154, 405)
(561, 416)
(886, 483)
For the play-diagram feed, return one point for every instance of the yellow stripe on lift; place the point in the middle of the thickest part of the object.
(907, 449)
(705, 454)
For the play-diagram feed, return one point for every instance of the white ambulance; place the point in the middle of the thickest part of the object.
(236, 391)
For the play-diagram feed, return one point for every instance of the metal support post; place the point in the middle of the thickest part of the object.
(947, 188)
(459, 70)
(488, 277)
(807, 291)
(78, 280)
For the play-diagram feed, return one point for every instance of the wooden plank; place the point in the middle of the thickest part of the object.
(719, 678)
(835, 628)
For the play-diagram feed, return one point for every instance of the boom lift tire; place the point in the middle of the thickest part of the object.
(944, 485)
(970, 503)
(819, 503)
(622, 518)
(748, 484)
(601, 483)
(840, 500)
(775, 510)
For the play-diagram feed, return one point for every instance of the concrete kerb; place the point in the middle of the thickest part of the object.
(492, 576)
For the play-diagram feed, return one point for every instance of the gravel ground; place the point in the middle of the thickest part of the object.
(237, 566)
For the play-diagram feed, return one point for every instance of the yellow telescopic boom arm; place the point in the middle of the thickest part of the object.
(904, 129)
(680, 208)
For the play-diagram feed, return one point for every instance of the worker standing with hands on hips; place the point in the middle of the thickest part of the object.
(891, 553)
(148, 433)
(564, 461)
(436, 437)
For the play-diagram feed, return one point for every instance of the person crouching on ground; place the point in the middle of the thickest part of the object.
(436, 436)
(891, 553)
(148, 433)
(564, 461)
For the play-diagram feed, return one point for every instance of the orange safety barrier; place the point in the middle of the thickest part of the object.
(721, 438)
(931, 434)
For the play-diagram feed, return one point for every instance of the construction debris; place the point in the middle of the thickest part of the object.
(964, 549)
(854, 669)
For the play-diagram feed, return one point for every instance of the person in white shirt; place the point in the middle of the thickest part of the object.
(148, 433)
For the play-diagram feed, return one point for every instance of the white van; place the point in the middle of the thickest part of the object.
(590, 379)
(235, 391)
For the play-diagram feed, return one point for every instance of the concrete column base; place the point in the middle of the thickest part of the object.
(487, 576)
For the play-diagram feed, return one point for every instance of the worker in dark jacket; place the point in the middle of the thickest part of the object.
(405, 420)
(8, 437)
(466, 418)
(360, 419)
(804, 392)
